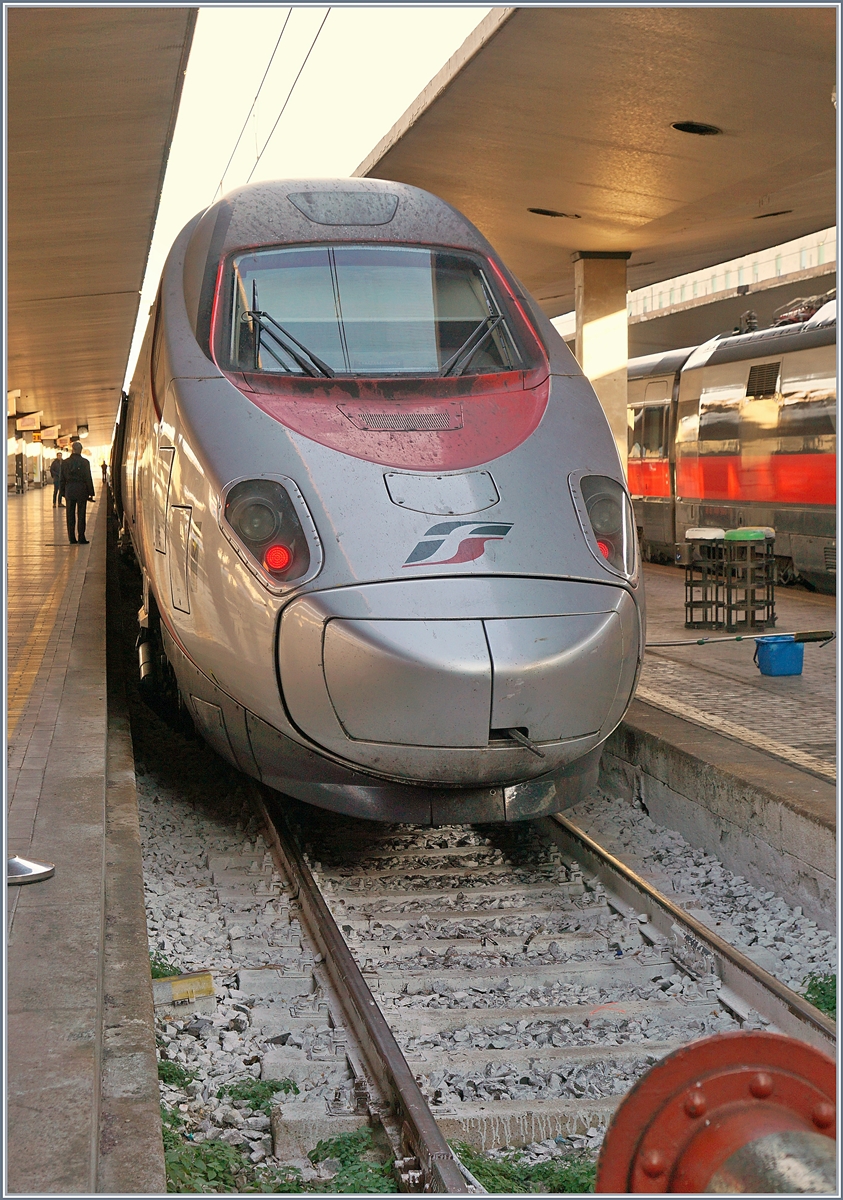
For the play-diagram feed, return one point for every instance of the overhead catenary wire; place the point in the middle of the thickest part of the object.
(289, 94)
(254, 102)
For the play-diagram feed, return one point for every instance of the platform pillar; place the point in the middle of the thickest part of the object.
(602, 346)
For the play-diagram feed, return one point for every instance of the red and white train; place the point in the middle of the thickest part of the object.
(741, 431)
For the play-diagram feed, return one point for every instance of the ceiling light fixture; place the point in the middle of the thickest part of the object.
(551, 212)
(81, 431)
(697, 127)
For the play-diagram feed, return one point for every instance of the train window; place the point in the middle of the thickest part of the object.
(647, 437)
(808, 418)
(368, 310)
(635, 432)
(655, 428)
(157, 358)
(687, 423)
(763, 380)
(719, 420)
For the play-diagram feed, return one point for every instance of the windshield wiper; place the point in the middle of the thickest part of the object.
(471, 345)
(261, 318)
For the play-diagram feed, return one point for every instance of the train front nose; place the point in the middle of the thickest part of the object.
(433, 699)
(456, 683)
(410, 683)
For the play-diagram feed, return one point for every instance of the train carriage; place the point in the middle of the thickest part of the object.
(741, 431)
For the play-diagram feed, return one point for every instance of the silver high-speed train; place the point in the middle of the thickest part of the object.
(388, 554)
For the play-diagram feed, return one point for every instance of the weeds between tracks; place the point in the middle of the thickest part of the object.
(510, 1173)
(821, 991)
(215, 1166)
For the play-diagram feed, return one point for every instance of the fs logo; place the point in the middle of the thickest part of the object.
(454, 546)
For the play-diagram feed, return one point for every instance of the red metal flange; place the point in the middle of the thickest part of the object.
(701, 1104)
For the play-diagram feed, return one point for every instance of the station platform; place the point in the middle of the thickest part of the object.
(717, 685)
(82, 1091)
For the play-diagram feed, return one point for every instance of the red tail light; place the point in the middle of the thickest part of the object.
(604, 549)
(277, 558)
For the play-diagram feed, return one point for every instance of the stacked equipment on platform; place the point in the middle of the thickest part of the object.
(730, 578)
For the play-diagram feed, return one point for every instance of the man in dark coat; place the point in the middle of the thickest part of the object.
(77, 487)
(55, 472)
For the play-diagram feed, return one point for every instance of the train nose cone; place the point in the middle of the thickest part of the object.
(448, 683)
(417, 683)
(556, 676)
(433, 699)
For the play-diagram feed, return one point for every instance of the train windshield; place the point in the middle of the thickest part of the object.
(367, 311)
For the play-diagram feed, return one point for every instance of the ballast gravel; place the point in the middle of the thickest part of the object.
(777, 937)
(593, 1031)
(184, 826)
(515, 1081)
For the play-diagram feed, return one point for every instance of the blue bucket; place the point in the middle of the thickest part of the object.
(779, 654)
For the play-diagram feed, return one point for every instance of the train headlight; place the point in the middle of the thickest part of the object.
(263, 519)
(605, 514)
(255, 520)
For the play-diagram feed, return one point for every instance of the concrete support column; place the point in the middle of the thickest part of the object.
(602, 346)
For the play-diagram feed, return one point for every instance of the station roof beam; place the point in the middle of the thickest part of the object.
(93, 95)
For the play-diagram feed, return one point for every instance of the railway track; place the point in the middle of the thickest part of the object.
(510, 982)
(502, 986)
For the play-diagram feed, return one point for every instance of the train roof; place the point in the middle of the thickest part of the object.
(781, 339)
(827, 315)
(664, 363)
(292, 211)
(820, 330)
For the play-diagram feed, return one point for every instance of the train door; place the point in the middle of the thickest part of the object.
(804, 464)
(649, 461)
(152, 469)
(116, 458)
(131, 446)
(128, 457)
(708, 446)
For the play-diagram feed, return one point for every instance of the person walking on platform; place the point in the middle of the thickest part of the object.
(77, 487)
(55, 471)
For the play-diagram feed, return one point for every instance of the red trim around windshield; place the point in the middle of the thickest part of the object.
(479, 418)
(475, 418)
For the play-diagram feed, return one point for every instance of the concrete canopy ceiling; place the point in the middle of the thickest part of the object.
(571, 109)
(92, 100)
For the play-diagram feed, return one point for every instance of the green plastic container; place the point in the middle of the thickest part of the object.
(750, 533)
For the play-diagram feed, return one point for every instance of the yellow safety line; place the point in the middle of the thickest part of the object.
(798, 758)
(34, 647)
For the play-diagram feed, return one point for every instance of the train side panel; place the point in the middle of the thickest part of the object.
(753, 442)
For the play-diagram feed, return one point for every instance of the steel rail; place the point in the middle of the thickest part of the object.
(440, 1170)
(745, 980)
